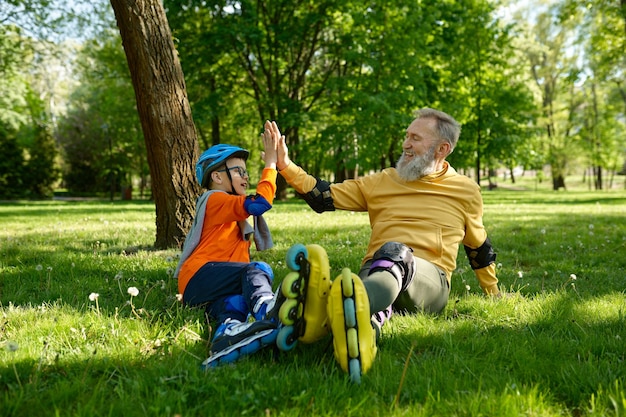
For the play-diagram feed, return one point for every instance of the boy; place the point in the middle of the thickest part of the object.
(215, 271)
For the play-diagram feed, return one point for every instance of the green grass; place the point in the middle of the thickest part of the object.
(556, 346)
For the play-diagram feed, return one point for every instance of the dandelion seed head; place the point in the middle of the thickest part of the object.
(520, 274)
(467, 287)
(133, 291)
(169, 259)
(12, 346)
(179, 297)
(118, 276)
(93, 296)
(572, 277)
(39, 267)
(499, 265)
(49, 268)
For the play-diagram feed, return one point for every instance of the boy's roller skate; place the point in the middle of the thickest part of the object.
(302, 297)
(234, 339)
(354, 338)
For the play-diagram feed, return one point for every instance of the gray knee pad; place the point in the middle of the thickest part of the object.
(396, 258)
(265, 267)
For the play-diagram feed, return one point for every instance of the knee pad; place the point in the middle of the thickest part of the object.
(396, 258)
(265, 267)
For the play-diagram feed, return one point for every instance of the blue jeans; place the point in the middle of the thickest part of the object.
(216, 283)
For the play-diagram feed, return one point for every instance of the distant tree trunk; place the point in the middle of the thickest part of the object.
(598, 177)
(165, 115)
(558, 182)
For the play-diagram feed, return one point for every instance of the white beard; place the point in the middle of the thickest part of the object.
(418, 167)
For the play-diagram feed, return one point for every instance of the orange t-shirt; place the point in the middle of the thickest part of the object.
(221, 239)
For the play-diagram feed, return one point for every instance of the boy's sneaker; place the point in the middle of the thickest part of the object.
(354, 338)
(234, 339)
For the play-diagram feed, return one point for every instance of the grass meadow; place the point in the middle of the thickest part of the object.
(90, 324)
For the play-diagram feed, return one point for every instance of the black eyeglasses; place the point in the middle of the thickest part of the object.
(243, 173)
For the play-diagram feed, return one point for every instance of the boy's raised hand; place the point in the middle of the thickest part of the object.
(272, 134)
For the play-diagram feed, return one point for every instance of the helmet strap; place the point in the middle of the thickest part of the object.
(232, 186)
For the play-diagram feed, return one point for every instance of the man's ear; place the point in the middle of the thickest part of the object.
(443, 150)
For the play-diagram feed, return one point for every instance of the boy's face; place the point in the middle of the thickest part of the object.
(238, 175)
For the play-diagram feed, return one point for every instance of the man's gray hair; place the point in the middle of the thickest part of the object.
(448, 129)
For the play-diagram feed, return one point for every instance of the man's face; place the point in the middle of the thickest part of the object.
(418, 156)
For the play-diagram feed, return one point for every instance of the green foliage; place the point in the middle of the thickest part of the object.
(11, 166)
(42, 166)
(342, 79)
(348, 75)
(101, 135)
(74, 342)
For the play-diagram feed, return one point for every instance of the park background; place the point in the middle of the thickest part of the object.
(538, 87)
(98, 142)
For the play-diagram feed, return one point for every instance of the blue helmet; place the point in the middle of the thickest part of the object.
(214, 157)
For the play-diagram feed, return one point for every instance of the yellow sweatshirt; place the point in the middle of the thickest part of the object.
(432, 215)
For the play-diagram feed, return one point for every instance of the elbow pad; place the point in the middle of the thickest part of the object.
(256, 205)
(319, 198)
(482, 256)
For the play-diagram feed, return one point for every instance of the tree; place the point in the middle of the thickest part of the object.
(603, 36)
(496, 103)
(165, 115)
(554, 73)
(100, 131)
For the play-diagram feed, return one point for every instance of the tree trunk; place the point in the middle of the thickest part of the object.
(165, 115)
(598, 178)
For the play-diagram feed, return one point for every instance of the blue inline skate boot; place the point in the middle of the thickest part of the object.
(234, 339)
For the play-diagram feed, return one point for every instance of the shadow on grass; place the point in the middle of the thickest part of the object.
(549, 364)
(553, 197)
(71, 208)
(552, 363)
(562, 350)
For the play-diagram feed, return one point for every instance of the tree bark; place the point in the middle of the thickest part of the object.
(165, 114)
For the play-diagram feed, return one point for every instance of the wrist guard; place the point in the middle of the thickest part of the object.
(319, 198)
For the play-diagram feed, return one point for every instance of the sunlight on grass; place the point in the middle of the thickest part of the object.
(90, 323)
